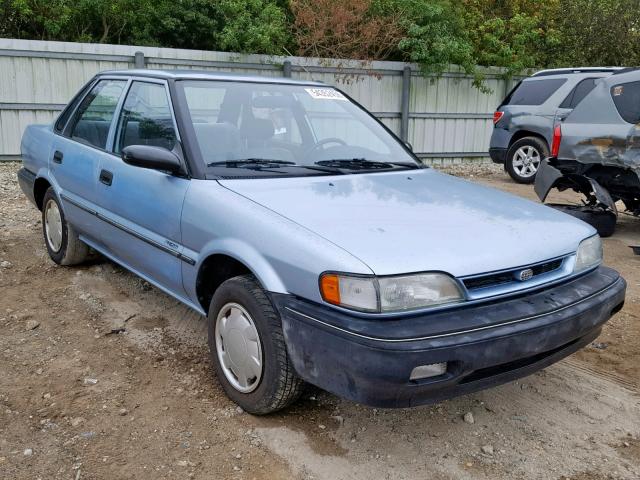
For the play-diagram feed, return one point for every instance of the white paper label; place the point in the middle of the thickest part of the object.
(325, 93)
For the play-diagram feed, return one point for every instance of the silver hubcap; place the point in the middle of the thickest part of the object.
(53, 225)
(239, 348)
(526, 161)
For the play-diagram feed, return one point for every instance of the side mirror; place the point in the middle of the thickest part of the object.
(156, 158)
(408, 145)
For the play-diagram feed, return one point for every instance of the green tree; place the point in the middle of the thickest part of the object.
(598, 32)
(253, 26)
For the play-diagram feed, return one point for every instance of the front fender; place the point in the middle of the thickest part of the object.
(248, 256)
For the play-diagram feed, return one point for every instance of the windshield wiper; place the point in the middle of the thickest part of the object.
(258, 163)
(249, 162)
(363, 164)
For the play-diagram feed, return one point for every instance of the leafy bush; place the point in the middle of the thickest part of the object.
(514, 34)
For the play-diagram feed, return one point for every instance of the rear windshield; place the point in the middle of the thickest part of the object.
(578, 93)
(533, 92)
(627, 99)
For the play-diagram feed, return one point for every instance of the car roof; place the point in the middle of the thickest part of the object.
(207, 75)
(585, 71)
(626, 75)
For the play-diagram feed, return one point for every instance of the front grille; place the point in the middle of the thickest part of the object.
(546, 267)
(500, 278)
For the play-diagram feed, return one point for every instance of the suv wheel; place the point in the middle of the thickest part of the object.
(524, 157)
(247, 348)
(63, 244)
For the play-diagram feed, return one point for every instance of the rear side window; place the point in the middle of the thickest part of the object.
(95, 113)
(533, 92)
(578, 93)
(627, 99)
(63, 118)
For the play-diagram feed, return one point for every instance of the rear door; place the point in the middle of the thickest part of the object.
(78, 151)
(575, 96)
(142, 207)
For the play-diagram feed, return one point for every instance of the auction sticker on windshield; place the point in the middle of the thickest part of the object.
(325, 93)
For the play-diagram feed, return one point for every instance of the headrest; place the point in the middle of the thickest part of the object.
(258, 128)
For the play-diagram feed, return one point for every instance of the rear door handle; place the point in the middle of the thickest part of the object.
(57, 156)
(106, 177)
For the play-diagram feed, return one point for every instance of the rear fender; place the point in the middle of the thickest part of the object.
(549, 177)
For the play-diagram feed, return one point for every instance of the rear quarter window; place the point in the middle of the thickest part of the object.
(626, 97)
(580, 91)
(533, 92)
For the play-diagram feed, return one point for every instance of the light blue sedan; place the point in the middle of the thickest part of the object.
(318, 246)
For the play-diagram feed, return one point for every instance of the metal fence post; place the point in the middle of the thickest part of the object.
(286, 68)
(404, 103)
(138, 60)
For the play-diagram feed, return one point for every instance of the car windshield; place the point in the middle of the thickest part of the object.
(282, 128)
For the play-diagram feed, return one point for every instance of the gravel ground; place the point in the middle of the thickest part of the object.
(80, 401)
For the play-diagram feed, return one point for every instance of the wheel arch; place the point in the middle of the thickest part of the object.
(221, 265)
(40, 187)
(520, 134)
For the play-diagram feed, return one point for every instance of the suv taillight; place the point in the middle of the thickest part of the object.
(497, 116)
(557, 138)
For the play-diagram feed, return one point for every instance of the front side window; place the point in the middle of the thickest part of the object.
(299, 125)
(95, 113)
(626, 97)
(533, 92)
(146, 118)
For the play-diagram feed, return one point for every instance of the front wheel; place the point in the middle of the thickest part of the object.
(63, 245)
(524, 157)
(248, 350)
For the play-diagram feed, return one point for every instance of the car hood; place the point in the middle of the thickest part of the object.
(419, 220)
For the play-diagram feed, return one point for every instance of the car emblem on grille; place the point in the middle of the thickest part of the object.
(525, 275)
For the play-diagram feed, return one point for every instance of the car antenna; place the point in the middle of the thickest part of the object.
(303, 67)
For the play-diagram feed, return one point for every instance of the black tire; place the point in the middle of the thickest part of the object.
(604, 221)
(72, 250)
(279, 385)
(538, 145)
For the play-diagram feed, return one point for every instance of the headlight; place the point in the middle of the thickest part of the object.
(589, 254)
(389, 294)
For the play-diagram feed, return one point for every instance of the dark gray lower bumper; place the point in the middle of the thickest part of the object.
(26, 180)
(497, 342)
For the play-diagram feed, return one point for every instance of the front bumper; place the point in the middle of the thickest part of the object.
(370, 361)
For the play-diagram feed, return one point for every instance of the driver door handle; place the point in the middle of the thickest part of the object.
(57, 156)
(106, 177)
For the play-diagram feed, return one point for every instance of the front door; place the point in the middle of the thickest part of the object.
(143, 206)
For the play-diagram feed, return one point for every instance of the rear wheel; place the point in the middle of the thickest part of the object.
(524, 157)
(248, 350)
(604, 221)
(63, 245)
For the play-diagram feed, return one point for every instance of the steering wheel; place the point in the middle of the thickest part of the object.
(324, 142)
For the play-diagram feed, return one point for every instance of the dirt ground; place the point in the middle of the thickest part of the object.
(104, 377)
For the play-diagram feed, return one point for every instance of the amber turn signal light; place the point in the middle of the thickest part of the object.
(330, 288)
